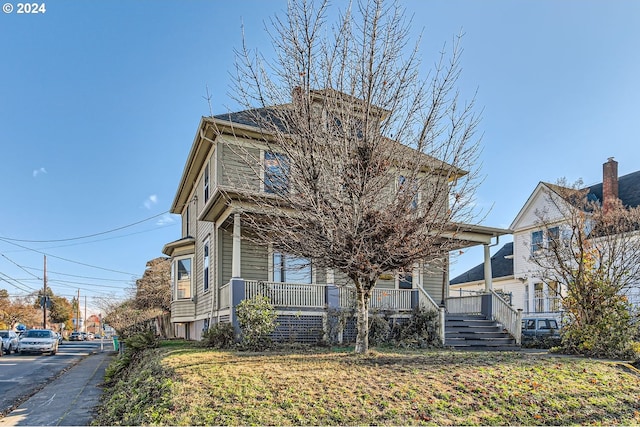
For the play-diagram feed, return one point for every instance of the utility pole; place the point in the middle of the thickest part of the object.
(78, 312)
(44, 297)
(85, 314)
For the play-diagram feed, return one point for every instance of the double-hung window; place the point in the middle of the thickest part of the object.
(407, 186)
(537, 242)
(553, 236)
(182, 277)
(206, 183)
(205, 266)
(287, 268)
(276, 173)
(405, 281)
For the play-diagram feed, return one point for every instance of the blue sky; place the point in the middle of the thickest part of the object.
(100, 100)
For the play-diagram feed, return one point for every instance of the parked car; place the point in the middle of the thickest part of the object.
(38, 341)
(76, 336)
(59, 337)
(9, 341)
(540, 327)
(1, 348)
(90, 336)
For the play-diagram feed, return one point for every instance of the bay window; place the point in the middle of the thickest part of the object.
(182, 278)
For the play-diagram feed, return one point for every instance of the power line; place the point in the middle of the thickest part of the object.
(10, 239)
(76, 275)
(68, 260)
(20, 267)
(95, 241)
(17, 281)
(62, 282)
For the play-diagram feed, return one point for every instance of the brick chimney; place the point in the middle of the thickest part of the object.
(609, 183)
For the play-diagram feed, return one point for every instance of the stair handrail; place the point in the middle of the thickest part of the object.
(510, 318)
(434, 306)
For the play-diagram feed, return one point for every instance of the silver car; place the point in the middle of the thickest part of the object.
(38, 341)
(9, 341)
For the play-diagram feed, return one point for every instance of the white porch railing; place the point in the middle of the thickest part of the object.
(224, 296)
(469, 304)
(287, 294)
(510, 318)
(381, 299)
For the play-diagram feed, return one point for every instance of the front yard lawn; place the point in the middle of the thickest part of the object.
(185, 385)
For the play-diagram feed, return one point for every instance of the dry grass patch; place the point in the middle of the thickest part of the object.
(408, 388)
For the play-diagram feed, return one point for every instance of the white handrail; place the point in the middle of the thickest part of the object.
(510, 318)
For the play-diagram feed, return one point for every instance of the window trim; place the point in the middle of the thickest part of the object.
(206, 265)
(400, 182)
(537, 243)
(175, 278)
(206, 182)
(269, 178)
(280, 269)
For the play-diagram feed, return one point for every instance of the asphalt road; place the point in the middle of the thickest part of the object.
(23, 375)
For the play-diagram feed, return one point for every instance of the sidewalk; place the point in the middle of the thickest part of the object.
(69, 400)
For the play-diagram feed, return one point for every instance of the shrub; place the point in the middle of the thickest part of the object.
(379, 329)
(257, 319)
(421, 331)
(220, 335)
(132, 348)
(336, 323)
(610, 334)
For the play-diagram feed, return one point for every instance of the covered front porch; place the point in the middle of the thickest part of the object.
(306, 306)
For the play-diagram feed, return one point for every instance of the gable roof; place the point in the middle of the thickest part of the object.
(501, 266)
(628, 190)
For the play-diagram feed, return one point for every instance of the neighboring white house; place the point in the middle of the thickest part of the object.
(515, 274)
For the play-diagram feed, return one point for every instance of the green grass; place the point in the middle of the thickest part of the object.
(178, 384)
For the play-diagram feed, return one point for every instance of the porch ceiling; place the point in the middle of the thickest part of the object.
(466, 235)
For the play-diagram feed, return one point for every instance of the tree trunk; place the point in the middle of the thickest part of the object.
(362, 315)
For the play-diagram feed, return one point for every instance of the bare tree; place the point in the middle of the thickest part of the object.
(148, 303)
(593, 251)
(153, 294)
(369, 167)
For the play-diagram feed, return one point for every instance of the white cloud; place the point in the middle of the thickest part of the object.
(166, 220)
(37, 172)
(151, 201)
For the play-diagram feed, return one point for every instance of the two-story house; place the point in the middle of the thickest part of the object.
(216, 264)
(516, 274)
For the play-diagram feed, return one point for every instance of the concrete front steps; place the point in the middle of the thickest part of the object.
(467, 331)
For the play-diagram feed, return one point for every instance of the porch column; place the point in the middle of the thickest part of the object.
(488, 283)
(235, 257)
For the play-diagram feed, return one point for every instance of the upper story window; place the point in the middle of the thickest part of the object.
(287, 268)
(276, 171)
(537, 242)
(186, 222)
(206, 183)
(553, 236)
(405, 185)
(205, 265)
(542, 239)
(182, 277)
